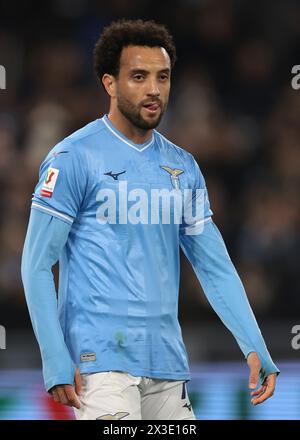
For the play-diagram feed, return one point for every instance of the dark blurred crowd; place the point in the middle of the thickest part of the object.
(231, 105)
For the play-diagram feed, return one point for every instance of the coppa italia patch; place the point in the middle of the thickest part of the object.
(49, 183)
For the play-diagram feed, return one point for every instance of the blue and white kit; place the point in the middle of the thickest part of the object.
(117, 306)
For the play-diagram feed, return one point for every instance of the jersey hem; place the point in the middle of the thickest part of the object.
(137, 372)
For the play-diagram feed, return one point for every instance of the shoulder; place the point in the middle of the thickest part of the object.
(174, 151)
(77, 145)
(86, 133)
(85, 137)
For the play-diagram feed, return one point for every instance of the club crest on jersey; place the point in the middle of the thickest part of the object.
(49, 182)
(174, 173)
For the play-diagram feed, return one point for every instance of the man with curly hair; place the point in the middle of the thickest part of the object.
(113, 348)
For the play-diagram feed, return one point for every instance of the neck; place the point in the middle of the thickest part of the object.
(124, 126)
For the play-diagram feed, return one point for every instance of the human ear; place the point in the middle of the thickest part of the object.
(109, 84)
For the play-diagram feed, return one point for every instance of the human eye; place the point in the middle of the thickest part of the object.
(164, 76)
(138, 77)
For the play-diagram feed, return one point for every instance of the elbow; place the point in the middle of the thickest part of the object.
(30, 270)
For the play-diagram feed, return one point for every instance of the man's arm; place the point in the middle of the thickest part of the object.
(45, 239)
(225, 292)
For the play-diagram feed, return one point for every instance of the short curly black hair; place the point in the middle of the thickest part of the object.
(123, 33)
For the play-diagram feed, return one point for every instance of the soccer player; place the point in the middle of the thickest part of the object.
(111, 344)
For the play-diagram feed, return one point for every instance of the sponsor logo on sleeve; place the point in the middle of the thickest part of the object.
(49, 183)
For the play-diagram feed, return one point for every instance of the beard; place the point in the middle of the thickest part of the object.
(133, 113)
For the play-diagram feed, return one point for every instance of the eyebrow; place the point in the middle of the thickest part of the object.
(143, 71)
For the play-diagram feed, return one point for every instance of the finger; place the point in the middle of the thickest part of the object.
(55, 396)
(71, 396)
(258, 395)
(77, 381)
(62, 395)
(268, 393)
(258, 399)
(262, 389)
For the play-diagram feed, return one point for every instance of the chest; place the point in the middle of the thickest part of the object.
(137, 189)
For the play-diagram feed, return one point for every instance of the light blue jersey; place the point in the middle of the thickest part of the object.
(119, 279)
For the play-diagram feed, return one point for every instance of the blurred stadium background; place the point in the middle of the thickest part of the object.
(233, 107)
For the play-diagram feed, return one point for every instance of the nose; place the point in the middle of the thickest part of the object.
(153, 89)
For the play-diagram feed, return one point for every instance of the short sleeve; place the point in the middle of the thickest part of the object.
(197, 209)
(62, 183)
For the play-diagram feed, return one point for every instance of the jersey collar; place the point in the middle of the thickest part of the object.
(121, 137)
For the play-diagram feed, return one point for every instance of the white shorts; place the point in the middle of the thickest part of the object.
(114, 395)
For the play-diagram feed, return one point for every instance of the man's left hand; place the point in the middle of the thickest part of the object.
(268, 387)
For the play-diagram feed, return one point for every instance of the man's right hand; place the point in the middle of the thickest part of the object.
(67, 394)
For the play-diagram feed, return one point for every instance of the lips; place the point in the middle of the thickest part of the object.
(152, 106)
